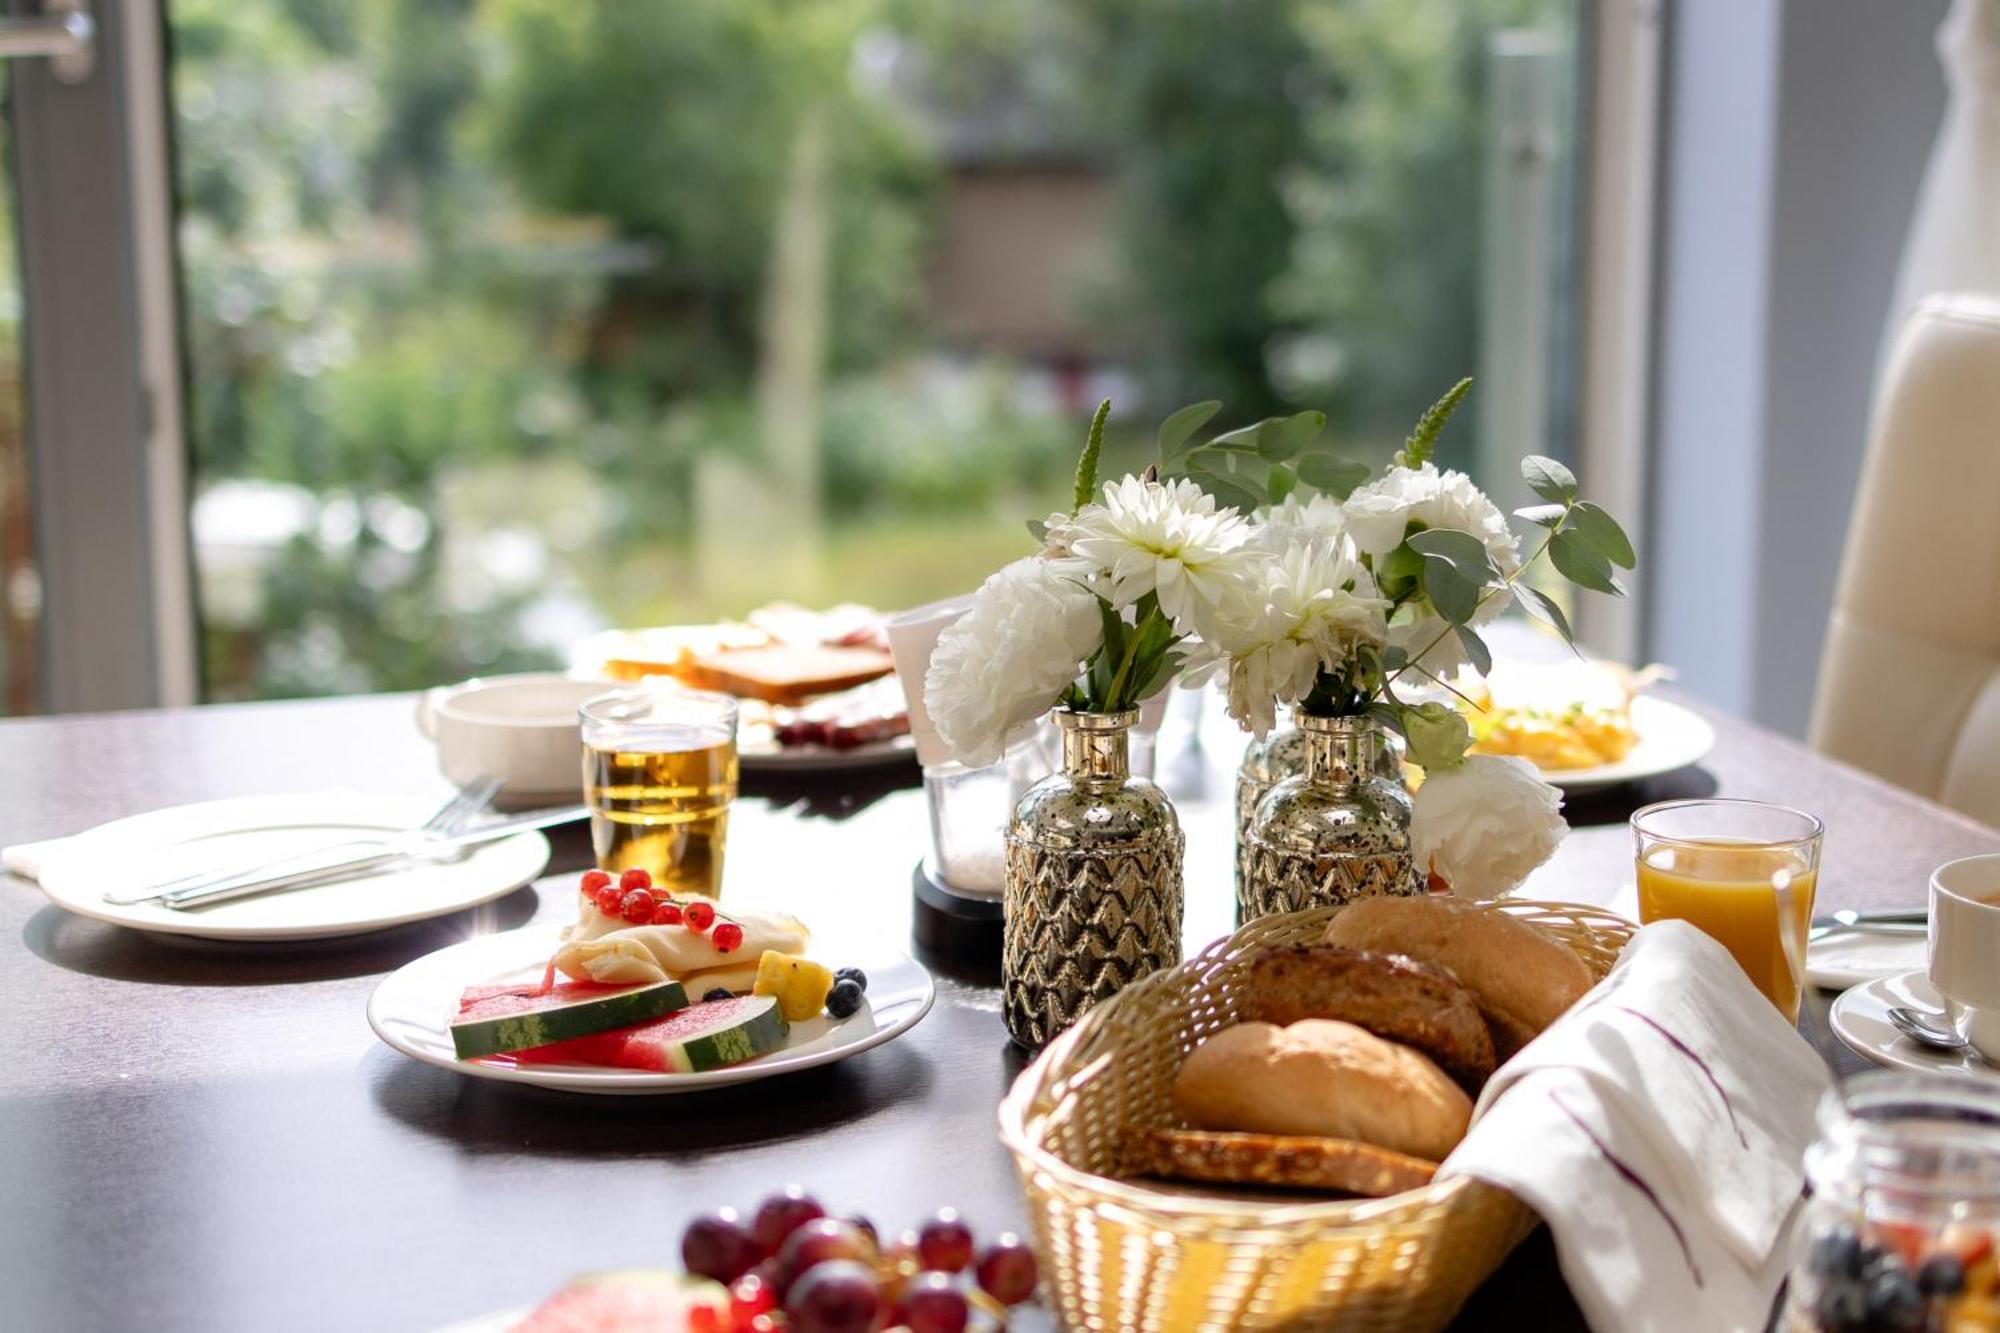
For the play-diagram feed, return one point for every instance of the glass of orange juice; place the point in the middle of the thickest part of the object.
(1744, 873)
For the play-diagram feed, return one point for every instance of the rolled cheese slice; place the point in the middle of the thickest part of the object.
(639, 954)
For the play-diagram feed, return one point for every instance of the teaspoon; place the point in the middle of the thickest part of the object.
(1927, 1030)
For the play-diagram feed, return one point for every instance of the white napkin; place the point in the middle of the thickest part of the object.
(913, 636)
(27, 858)
(1659, 1128)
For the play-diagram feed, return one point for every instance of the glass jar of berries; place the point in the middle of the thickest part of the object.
(1903, 1211)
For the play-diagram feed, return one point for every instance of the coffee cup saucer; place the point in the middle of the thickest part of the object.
(1861, 1018)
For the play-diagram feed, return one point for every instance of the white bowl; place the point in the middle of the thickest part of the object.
(522, 729)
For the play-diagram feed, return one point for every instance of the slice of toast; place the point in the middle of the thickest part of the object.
(785, 673)
(1287, 1160)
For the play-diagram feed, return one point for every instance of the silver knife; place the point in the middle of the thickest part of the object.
(409, 847)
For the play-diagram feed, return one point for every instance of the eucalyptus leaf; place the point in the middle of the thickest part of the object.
(1460, 548)
(1399, 571)
(1475, 647)
(1389, 715)
(1548, 608)
(1395, 657)
(1282, 483)
(1180, 426)
(1242, 440)
(1548, 479)
(1332, 474)
(1546, 516)
(1229, 491)
(1282, 438)
(1602, 531)
(1455, 597)
(1038, 529)
(1438, 734)
(1582, 564)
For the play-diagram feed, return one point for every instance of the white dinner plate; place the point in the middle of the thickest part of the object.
(412, 1010)
(1670, 737)
(222, 834)
(1861, 1017)
(1850, 957)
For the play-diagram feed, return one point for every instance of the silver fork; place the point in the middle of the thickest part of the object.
(466, 805)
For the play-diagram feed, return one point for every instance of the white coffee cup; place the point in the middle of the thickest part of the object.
(522, 729)
(1965, 947)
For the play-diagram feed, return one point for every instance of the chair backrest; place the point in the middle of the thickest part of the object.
(1909, 685)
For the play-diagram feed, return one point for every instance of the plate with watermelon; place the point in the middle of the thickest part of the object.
(494, 1008)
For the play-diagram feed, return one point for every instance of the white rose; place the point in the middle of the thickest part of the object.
(1005, 661)
(1484, 825)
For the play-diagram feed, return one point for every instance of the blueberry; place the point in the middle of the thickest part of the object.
(720, 993)
(1842, 1307)
(845, 998)
(853, 974)
(1836, 1252)
(1894, 1301)
(1941, 1275)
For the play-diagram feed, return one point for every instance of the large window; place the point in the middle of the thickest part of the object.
(510, 319)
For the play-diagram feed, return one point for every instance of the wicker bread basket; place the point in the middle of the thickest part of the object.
(1121, 1255)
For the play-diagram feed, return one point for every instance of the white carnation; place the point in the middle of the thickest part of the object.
(1160, 537)
(1380, 513)
(1297, 613)
(1005, 661)
(1292, 523)
(1483, 825)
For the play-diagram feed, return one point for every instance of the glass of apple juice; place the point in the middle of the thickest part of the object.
(1742, 872)
(659, 774)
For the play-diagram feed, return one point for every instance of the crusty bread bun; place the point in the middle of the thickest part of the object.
(1288, 1161)
(1524, 978)
(1322, 1077)
(785, 673)
(1393, 996)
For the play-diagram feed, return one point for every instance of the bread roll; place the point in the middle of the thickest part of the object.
(1524, 978)
(1322, 1077)
(1288, 1161)
(1391, 995)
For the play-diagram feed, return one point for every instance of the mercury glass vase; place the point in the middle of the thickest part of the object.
(1336, 832)
(1093, 894)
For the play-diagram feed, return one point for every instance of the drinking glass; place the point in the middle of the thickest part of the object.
(1744, 873)
(659, 773)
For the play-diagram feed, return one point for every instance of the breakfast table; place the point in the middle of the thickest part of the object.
(197, 1135)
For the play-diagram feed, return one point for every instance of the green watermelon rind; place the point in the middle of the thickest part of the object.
(472, 1038)
(744, 1039)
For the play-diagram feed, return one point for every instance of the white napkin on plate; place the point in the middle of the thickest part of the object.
(27, 858)
(1659, 1128)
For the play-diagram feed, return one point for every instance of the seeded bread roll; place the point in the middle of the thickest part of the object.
(1322, 1077)
(1394, 997)
(1523, 977)
(1288, 1161)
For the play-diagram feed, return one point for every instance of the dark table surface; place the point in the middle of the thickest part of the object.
(195, 1136)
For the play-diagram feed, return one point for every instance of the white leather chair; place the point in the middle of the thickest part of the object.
(1909, 684)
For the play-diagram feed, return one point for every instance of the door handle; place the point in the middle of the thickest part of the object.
(65, 33)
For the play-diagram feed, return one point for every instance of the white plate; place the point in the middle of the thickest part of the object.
(412, 1009)
(1670, 737)
(1861, 1017)
(1849, 957)
(221, 834)
(775, 758)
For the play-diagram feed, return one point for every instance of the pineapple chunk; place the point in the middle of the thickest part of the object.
(799, 983)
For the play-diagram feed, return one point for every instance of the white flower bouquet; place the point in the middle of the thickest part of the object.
(1308, 581)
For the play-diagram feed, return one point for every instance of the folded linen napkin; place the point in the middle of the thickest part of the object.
(27, 858)
(1659, 1128)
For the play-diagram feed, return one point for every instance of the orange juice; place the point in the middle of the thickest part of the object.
(1731, 890)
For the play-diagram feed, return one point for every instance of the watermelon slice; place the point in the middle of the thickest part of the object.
(706, 1036)
(492, 1020)
(633, 1301)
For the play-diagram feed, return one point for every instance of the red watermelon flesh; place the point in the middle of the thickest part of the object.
(522, 997)
(700, 1037)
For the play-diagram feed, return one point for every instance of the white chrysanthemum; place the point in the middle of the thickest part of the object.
(1161, 537)
(1380, 513)
(1301, 611)
(1483, 825)
(1005, 661)
(1292, 523)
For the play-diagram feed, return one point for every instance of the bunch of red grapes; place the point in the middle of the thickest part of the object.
(793, 1268)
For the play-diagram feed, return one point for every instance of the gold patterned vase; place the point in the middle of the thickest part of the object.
(1337, 832)
(1093, 898)
(1267, 761)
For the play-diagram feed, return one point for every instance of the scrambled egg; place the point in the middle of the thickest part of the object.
(1573, 737)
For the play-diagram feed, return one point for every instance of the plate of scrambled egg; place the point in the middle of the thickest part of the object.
(1584, 724)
